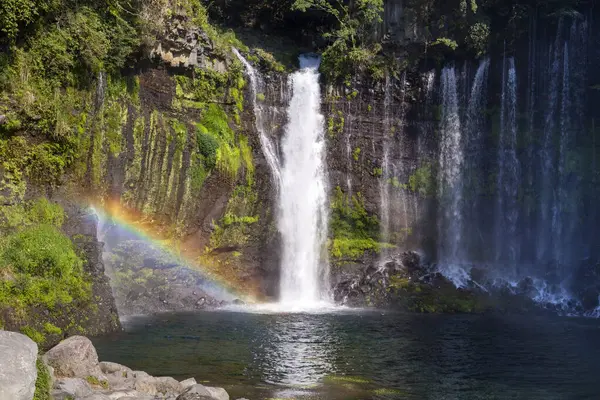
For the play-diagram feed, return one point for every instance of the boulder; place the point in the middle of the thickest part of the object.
(187, 383)
(168, 385)
(125, 394)
(113, 368)
(74, 357)
(145, 383)
(18, 371)
(75, 387)
(218, 393)
(95, 396)
(196, 392)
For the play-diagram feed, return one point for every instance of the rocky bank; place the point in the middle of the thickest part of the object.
(71, 371)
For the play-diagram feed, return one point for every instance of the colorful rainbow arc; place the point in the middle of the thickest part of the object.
(116, 215)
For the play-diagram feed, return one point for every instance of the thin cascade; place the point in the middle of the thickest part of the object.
(508, 171)
(531, 113)
(544, 226)
(257, 86)
(348, 127)
(426, 125)
(450, 171)
(474, 146)
(402, 173)
(302, 199)
(565, 133)
(384, 186)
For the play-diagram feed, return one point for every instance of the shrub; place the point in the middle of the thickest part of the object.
(44, 269)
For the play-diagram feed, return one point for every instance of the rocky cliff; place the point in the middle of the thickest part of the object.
(154, 125)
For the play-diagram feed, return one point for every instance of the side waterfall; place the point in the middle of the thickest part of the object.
(303, 199)
(450, 179)
(508, 171)
(257, 86)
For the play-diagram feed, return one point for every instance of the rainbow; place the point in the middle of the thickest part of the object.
(222, 286)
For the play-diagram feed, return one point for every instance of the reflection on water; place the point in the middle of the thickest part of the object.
(367, 355)
(296, 353)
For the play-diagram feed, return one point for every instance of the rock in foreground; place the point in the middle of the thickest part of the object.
(18, 372)
(78, 375)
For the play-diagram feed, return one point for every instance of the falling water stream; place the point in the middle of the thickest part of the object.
(300, 175)
(303, 200)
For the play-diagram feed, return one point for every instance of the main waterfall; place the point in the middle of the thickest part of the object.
(301, 185)
(303, 199)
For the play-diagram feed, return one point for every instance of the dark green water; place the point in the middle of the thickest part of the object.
(367, 355)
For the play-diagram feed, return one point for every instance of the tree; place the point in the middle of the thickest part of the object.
(350, 46)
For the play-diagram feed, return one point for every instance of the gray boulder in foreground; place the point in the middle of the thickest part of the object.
(217, 393)
(18, 371)
(74, 357)
(196, 392)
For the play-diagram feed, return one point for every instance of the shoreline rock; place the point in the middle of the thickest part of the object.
(18, 370)
(77, 374)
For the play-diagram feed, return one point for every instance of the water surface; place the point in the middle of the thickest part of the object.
(367, 355)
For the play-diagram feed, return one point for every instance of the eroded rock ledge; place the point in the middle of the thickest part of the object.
(406, 283)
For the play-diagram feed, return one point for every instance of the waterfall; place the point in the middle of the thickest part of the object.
(508, 171)
(562, 195)
(384, 185)
(450, 172)
(474, 149)
(257, 85)
(303, 203)
(547, 153)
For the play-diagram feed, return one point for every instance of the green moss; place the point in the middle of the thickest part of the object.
(354, 231)
(356, 154)
(335, 123)
(43, 382)
(33, 334)
(92, 380)
(260, 96)
(236, 226)
(355, 248)
(52, 329)
(45, 269)
(377, 172)
(448, 43)
(422, 181)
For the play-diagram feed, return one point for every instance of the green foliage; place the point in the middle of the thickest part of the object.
(18, 13)
(443, 41)
(356, 154)
(52, 329)
(43, 382)
(335, 123)
(40, 211)
(92, 380)
(236, 227)
(353, 231)
(422, 181)
(350, 219)
(355, 248)
(350, 48)
(377, 172)
(43, 268)
(207, 147)
(477, 39)
(33, 334)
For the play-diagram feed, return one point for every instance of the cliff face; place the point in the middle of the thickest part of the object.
(416, 140)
